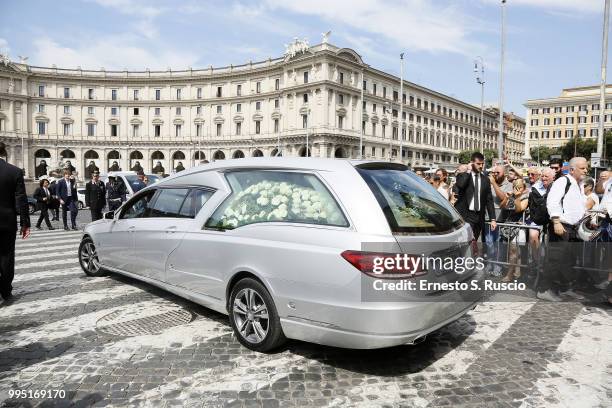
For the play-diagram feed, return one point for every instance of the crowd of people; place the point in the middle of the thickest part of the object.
(555, 222)
(51, 196)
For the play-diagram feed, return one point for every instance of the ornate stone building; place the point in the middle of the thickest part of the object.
(321, 94)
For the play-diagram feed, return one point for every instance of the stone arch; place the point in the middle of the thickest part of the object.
(178, 155)
(158, 162)
(238, 154)
(67, 154)
(275, 153)
(42, 154)
(302, 152)
(199, 155)
(340, 153)
(219, 155)
(257, 153)
(42, 160)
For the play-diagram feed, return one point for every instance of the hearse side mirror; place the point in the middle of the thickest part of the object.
(109, 215)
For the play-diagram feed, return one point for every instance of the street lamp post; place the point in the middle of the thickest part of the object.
(480, 80)
(401, 115)
(307, 132)
(500, 136)
(602, 89)
(389, 111)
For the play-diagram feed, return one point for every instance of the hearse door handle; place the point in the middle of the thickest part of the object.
(131, 229)
(171, 229)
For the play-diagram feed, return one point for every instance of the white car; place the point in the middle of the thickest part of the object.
(130, 180)
(286, 247)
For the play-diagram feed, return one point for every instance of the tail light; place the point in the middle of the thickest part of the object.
(385, 265)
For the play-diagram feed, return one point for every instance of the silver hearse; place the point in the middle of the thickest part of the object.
(278, 245)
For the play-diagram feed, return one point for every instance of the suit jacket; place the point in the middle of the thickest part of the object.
(95, 194)
(64, 194)
(12, 195)
(464, 187)
(39, 194)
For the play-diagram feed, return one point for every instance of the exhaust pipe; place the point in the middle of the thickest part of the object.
(418, 340)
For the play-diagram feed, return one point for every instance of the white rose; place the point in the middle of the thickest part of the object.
(305, 195)
(243, 209)
(295, 210)
(316, 206)
(276, 200)
(262, 201)
(315, 198)
(282, 213)
(282, 207)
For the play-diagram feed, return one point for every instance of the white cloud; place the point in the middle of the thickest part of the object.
(112, 53)
(141, 8)
(4, 47)
(410, 24)
(581, 6)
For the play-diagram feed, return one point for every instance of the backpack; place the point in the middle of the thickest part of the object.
(537, 205)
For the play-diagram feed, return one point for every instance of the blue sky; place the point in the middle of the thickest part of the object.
(551, 44)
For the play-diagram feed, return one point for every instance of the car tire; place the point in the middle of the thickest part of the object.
(255, 322)
(31, 208)
(88, 259)
(80, 205)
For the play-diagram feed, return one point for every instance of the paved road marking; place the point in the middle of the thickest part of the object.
(26, 243)
(68, 260)
(50, 254)
(37, 306)
(42, 250)
(24, 277)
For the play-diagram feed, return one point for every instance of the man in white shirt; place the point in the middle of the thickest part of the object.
(566, 207)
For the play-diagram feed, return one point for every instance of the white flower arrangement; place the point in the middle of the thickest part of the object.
(280, 201)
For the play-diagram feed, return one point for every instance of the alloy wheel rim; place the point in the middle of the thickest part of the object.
(89, 258)
(251, 316)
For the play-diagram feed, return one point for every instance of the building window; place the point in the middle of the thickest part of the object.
(558, 109)
(569, 108)
(66, 110)
(546, 121)
(238, 107)
(157, 130)
(384, 128)
(90, 110)
(276, 84)
(595, 118)
(199, 93)
(90, 93)
(238, 128)
(305, 77)
(113, 94)
(395, 96)
(257, 127)
(608, 105)
(340, 120)
(41, 90)
(276, 124)
(66, 92)
(219, 110)
(384, 91)
(373, 151)
(178, 110)
(569, 133)
(219, 130)
(239, 90)
(374, 89)
(363, 126)
(114, 111)
(582, 108)
(341, 77)
(42, 127)
(136, 111)
(535, 111)
(341, 99)
(582, 119)
(177, 130)
(40, 108)
(135, 130)
(113, 130)
(305, 98)
(546, 110)
(136, 94)
(178, 94)
(91, 129)
(258, 105)
(374, 107)
(276, 104)
(557, 121)
(581, 133)
(373, 129)
(364, 85)
(363, 105)
(569, 120)
(304, 121)
(158, 94)
(594, 131)
(595, 106)
(199, 110)
(258, 87)
(66, 129)
(219, 92)
(198, 130)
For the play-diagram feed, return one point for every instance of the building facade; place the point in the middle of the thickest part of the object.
(552, 122)
(514, 136)
(321, 94)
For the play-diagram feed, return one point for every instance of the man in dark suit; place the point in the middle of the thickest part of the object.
(95, 196)
(12, 194)
(474, 196)
(67, 192)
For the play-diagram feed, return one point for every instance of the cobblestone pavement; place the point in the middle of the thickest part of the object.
(88, 337)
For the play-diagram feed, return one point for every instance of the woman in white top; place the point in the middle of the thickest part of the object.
(592, 200)
(440, 183)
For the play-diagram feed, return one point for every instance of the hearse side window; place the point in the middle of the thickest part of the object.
(194, 202)
(168, 202)
(138, 207)
(276, 196)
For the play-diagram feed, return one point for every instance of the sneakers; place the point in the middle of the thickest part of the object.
(549, 295)
(38, 228)
(571, 294)
(602, 285)
(74, 228)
